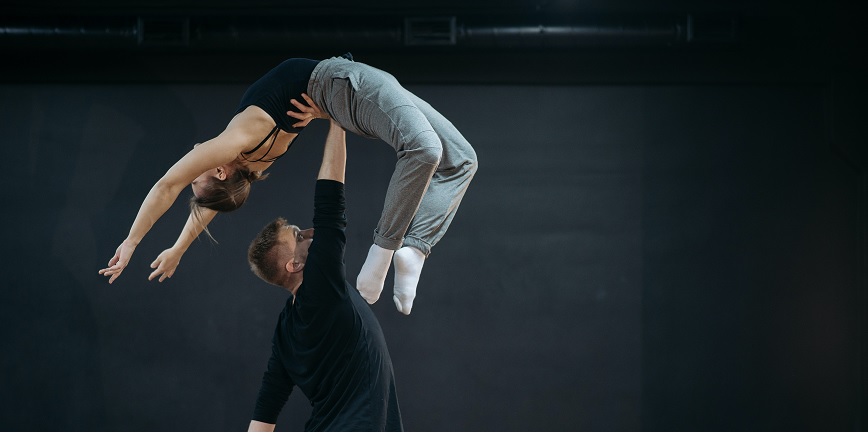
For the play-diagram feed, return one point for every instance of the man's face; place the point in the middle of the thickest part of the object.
(297, 242)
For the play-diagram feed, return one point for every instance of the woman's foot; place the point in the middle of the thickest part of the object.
(408, 267)
(373, 274)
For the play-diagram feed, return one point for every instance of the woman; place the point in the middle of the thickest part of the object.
(434, 167)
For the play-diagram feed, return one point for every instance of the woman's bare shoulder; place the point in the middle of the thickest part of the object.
(250, 126)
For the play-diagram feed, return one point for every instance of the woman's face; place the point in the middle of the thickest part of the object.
(203, 181)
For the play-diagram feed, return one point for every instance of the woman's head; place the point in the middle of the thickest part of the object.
(223, 189)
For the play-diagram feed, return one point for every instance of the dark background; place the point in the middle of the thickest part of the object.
(667, 230)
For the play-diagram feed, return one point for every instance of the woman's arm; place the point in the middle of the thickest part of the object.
(166, 263)
(241, 134)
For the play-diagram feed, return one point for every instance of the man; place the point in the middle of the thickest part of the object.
(327, 341)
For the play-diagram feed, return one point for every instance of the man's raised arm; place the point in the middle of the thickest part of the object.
(334, 158)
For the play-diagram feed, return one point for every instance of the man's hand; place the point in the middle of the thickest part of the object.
(165, 264)
(119, 261)
(260, 426)
(307, 112)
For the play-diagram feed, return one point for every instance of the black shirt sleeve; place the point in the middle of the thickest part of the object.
(324, 271)
(274, 391)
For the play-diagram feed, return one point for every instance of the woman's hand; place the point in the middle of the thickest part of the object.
(166, 263)
(307, 112)
(119, 261)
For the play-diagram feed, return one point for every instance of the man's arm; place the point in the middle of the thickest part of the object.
(273, 392)
(324, 269)
(334, 158)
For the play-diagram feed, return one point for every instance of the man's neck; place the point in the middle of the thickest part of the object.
(293, 286)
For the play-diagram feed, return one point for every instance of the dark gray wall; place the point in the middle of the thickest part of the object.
(751, 238)
(677, 257)
(659, 238)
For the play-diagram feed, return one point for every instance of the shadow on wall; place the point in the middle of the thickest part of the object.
(53, 364)
(80, 153)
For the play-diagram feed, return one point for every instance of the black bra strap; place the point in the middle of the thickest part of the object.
(278, 156)
(273, 132)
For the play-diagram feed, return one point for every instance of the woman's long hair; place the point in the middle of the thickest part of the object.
(224, 195)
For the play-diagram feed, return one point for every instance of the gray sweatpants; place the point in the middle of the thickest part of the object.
(435, 162)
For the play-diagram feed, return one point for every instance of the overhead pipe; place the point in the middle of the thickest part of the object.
(21, 36)
(253, 33)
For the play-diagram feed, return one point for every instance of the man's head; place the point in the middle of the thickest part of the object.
(278, 253)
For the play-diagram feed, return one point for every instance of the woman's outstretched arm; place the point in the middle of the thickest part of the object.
(241, 134)
(166, 263)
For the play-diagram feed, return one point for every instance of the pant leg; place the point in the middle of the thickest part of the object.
(458, 165)
(371, 103)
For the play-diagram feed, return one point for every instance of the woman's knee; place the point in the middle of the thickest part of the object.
(426, 148)
(468, 161)
(472, 161)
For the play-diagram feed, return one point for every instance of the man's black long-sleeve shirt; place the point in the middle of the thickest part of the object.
(328, 342)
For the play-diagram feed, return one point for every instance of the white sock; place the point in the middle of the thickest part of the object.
(373, 274)
(408, 267)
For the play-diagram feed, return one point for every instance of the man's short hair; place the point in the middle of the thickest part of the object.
(261, 254)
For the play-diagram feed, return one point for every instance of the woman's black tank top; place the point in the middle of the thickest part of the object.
(273, 91)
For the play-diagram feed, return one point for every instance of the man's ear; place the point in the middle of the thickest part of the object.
(293, 267)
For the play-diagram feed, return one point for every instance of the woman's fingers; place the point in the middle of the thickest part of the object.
(157, 266)
(162, 272)
(111, 269)
(113, 272)
(119, 261)
(164, 265)
(156, 273)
